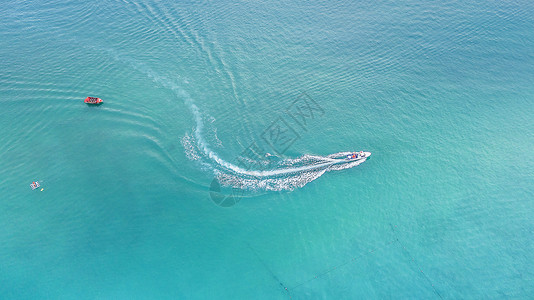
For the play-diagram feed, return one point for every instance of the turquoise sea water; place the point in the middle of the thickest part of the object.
(440, 93)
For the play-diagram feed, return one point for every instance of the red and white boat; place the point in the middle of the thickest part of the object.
(93, 100)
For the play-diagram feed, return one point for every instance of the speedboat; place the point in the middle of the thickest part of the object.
(34, 185)
(93, 101)
(357, 155)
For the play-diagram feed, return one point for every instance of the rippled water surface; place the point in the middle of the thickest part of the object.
(216, 168)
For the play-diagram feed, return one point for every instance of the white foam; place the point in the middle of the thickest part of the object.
(288, 174)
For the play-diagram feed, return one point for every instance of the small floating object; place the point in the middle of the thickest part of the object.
(93, 101)
(42, 190)
(34, 185)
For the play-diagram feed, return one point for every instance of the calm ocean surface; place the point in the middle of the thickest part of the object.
(155, 194)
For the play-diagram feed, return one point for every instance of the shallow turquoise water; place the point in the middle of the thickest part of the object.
(441, 94)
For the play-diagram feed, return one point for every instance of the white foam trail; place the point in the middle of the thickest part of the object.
(287, 175)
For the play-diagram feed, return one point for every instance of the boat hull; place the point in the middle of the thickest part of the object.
(363, 156)
(93, 101)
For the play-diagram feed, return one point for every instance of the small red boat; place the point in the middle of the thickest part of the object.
(93, 100)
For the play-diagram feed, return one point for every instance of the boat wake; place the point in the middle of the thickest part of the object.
(267, 174)
(262, 174)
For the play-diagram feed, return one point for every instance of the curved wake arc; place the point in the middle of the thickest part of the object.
(286, 175)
